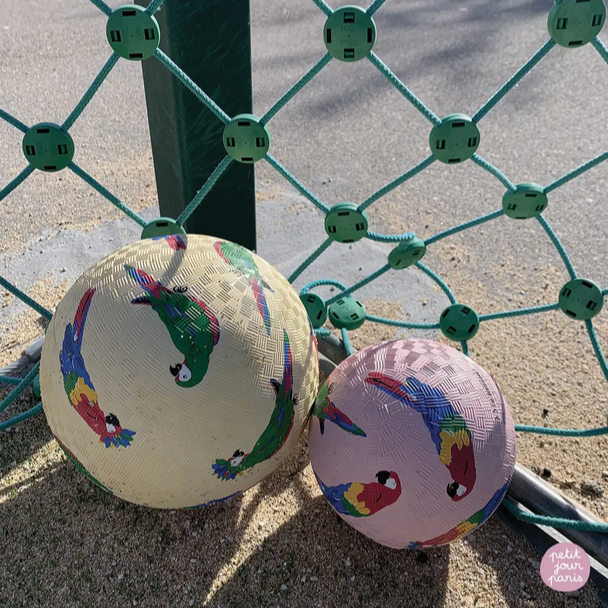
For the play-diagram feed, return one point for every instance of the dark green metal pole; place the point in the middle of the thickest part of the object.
(210, 40)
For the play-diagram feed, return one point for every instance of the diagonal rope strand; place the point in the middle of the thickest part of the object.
(191, 85)
(296, 88)
(576, 172)
(47, 314)
(527, 67)
(104, 192)
(16, 181)
(102, 6)
(11, 120)
(200, 195)
(82, 104)
(376, 61)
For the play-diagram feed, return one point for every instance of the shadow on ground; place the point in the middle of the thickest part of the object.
(69, 543)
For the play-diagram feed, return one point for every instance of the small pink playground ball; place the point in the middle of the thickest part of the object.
(412, 443)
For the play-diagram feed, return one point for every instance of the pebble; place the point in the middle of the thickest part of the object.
(283, 587)
(509, 548)
(121, 576)
(191, 603)
(193, 561)
(114, 563)
(347, 562)
(589, 487)
(134, 602)
(546, 473)
(314, 578)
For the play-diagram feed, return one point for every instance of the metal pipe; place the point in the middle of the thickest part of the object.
(541, 498)
(31, 355)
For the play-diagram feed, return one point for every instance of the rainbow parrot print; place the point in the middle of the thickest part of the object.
(448, 429)
(467, 525)
(193, 327)
(276, 432)
(363, 499)
(240, 259)
(79, 386)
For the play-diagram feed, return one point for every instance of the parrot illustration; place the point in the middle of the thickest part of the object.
(448, 428)
(324, 410)
(79, 387)
(363, 499)
(174, 241)
(241, 259)
(275, 434)
(468, 525)
(193, 327)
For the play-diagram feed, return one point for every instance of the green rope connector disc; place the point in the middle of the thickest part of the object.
(459, 322)
(581, 299)
(132, 33)
(245, 139)
(345, 223)
(525, 202)
(349, 33)
(574, 23)
(48, 147)
(455, 139)
(315, 308)
(36, 386)
(347, 313)
(406, 253)
(163, 226)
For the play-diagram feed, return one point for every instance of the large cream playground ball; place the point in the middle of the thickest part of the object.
(412, 443)
(179, 371)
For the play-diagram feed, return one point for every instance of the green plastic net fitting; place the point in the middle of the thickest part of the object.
(407, 253)
(526, 201)
(345, 223)
(132, 32)
(581, 299)
(454, 139)
(48, 147)
(349, 33)
(245, 139)
(459, 322)
(347, 313)
(163, 226)
(574, 23)
(316, 309)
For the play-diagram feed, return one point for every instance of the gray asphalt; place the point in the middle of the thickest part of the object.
(345, 135)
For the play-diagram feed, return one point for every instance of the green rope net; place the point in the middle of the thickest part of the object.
(453, 139)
